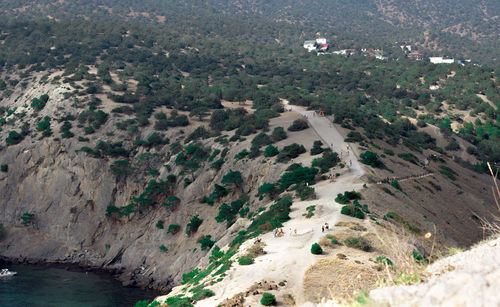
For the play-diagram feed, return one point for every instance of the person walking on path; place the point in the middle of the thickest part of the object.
(323, 228)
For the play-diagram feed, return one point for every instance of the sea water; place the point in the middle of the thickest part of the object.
(44, 286)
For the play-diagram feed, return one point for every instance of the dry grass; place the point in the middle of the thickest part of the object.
(351, 225)
(399, 245)
(256, 250)
(333, 278)
(493, 227)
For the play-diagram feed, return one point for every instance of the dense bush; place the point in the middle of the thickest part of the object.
(206, 242)
(328, 160)
(298, 124)
(273, 217)
(261, 139)
(14, 138)
(245, 260)
(193, 225)
(228, 213)
(371, 158)
(290, 152)
(278, 134)
(316, 149)
(347, 197)
(316, 249)
(4, 168)
(354, 137)
(298, 175)
(271, 151)
(268, 299)
(355, 210)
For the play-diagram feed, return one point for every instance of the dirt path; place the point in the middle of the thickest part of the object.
(288, 257)
(330, 136)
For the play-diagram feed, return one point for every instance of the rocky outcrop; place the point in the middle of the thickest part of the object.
(470, 278)
(68, 192)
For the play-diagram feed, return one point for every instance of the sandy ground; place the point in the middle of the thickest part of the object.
(288, 257)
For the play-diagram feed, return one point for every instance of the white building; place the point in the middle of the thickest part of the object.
(310, 45)
(322, 41)
(440, 60)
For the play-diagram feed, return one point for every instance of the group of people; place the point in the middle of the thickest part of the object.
(325, 227)
(278, 232)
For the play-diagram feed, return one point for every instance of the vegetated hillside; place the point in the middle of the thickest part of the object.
(451, 28)
(122, 143)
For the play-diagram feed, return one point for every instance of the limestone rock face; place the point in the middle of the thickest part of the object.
(470, 278)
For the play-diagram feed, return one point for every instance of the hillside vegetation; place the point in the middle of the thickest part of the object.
(137, 139)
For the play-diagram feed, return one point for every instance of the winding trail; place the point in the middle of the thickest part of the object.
(330, 136)
(288, 257)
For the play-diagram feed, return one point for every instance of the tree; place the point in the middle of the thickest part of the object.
(371, 158)
(278, 134)
(271, 151)
(233, 177)
(316, 249)
(193, 225)
(268, 299)
(298, 124)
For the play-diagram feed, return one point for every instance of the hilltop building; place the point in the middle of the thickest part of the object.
(441, 60)
(310, 45)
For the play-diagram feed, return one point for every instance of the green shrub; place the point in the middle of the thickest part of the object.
(268, 299)
(396, 184)
(304, 192)
(271, 151)
(217, 164)
(278, 134)
(298, 124)
(242, 154)
(290, 152)
(268, 188)
(316, 249)
(206, 242)
(355, 210)
(173, 229)
(4, 168)
(159, 224)
(163, 248)
(354, 137)
(228, 213)
(277, 214)
(347, 197)
(232, 177)
(317, 149)
(193, 225)
(27, 219)
(310, 212)
(219, 192)
(245, 260)
(359, 243)
(299, 175)
(371, 158)
(261, 139)
(384, 259)
(14, 138)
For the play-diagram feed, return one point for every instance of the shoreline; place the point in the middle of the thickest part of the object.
(111, 273)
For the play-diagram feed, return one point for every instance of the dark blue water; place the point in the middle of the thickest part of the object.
(54, 286)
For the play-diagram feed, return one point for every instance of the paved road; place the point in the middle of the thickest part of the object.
(331, 137)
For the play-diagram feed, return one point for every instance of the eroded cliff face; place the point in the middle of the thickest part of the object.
(68, 191)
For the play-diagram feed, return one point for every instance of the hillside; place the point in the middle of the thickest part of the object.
(467, 29)
(164, 153)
